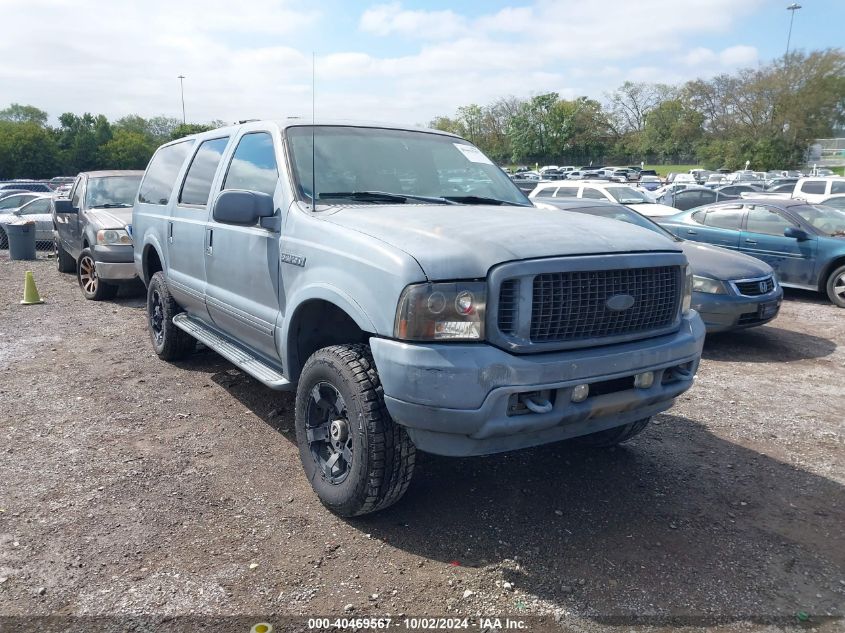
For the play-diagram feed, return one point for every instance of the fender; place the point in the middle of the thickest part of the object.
(325, 292)
(150, 240)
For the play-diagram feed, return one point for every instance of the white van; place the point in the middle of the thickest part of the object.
(816, 189)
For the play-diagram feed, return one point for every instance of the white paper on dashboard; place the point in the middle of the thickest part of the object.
(472, 153)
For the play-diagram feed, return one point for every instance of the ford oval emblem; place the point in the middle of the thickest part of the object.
(618, 303)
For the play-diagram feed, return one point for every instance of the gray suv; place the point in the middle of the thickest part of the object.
(410, 294)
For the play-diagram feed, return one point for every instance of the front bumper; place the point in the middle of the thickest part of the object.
(115, 263)
(721, 313)
(457, 399)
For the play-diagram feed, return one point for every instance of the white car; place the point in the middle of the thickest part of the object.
(637, 200)
(816, 189)
(38, 211)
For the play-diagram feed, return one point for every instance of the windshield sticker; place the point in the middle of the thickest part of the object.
(472, 154)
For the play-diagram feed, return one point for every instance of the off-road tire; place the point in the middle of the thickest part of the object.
(64, 262)
(614, 436)
(383, 454)
(169, 342)
(92, 287)
(835, 285)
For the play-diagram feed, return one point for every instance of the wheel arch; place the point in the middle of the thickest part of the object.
(832, 265)
(151, 262)
(321, 316)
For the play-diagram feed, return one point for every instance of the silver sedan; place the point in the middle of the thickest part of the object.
(38, 211)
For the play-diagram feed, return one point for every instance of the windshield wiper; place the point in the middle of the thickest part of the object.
(382, 196)
(482, 200)
(112, 205)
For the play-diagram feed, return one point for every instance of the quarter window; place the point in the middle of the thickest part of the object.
(253, 165)
(548, 192)
(595, 194)
(162, 173)
(200, 174)
(837, 186)
(812, 186)
(567, 192)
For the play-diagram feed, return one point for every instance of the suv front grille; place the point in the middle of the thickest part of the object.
(756, 287)
(571, 306)
(508, 305)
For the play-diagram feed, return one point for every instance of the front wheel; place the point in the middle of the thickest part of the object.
(614, 436)
(836, 287)
(357, 459)
(92, 286)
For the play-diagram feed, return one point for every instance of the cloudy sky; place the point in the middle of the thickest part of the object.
(404, 61)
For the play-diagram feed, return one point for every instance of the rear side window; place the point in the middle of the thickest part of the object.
(724, 218)
(595, 194)
(162, 173)
(812, 186)
(197, 183)
(36, 207)
(567, 192)
(253, 165)
(837, 186)
(548, 192)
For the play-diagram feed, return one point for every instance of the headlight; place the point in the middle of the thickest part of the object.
(686, 300)
(710, 286)
(451, 311)
(113, 236)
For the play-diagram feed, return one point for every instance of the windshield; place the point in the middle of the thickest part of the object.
(627, 195)
(825, 219)
(623, 214)
(111, 191)
(384, 166)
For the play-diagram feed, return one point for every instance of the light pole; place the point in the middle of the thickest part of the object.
(182, 90)
(792, 8)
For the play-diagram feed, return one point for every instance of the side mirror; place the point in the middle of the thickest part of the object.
(798, 234)
(64, 205)
(236, 206)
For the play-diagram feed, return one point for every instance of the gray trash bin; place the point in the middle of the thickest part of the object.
(21, 240)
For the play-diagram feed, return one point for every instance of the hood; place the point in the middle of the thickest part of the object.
(653, 209)
(110, 218)
(723, 264)
(464, 242)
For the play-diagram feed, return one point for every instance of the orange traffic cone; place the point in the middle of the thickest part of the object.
(30, 292)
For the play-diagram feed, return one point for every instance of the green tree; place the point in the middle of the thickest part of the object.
(18, 113)
(127, 150)
(27, 150)
(186, 129)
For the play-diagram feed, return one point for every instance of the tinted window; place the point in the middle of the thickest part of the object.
(837, 186)
(813, 186)
(14, 201)
(253, 165)
(595, 194)
(724, 218)
(766, 222)
(41, 205)
(546, 193)
(162, 172)
(76, 199)
(197, 183)
(698, 216)
(838, 202)
(567, 192)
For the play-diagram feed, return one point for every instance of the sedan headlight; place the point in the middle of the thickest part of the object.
(111, 237)
(708, 285)
(686, 297)
(451, 311)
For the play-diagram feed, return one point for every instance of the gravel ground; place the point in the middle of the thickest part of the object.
(132, 486)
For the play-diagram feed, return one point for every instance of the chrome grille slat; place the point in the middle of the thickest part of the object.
(751, 287)
(508, 306)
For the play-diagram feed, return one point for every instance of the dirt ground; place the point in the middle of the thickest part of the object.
(132, 486)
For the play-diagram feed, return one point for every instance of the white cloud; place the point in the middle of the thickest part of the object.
(391, 19)
(120, 58)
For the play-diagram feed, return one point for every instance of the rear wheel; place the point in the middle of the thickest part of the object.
(92, 286)
(357, 459)
(614, 436)
(64, 262)
(836, 287)
(169, 342)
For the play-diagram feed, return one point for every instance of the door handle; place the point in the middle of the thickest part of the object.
(209, 239)
(747, 241)
(170, 232)
(692, 232)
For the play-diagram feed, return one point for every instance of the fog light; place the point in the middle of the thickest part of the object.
(644, 380)
(580, 393)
